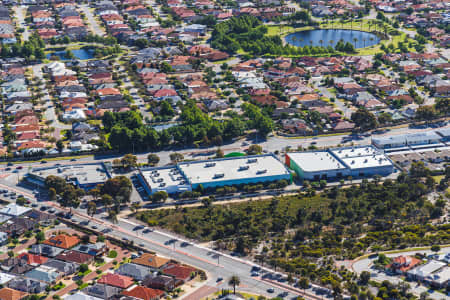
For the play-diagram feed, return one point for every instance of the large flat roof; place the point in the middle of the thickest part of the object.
(232, 169)
(163, 178)
(354, 152)
(316, 161)
(359, 162)
(445, 132)
(82, 173)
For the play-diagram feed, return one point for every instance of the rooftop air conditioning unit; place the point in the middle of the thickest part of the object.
(261, 171)
(252, 160)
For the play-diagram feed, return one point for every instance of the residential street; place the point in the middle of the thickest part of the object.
(93, 24)
(20, 12)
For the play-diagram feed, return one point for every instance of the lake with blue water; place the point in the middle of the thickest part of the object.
(314, 38)
(81, 54)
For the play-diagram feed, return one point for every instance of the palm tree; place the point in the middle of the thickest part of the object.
(364, 41)
(311, 42)
(355, 40)
(321, 43)
(371, 39)
(331, 42)
(234, 281)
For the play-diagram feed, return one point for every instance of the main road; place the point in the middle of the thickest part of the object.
(218, 266)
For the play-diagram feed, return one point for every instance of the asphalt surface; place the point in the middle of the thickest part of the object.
(218, 266)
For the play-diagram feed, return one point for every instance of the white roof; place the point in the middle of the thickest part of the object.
(354, 152)
(441, 276)
(379, 160)
(316, 161)
(4, 277)
(427, 269)
(13, 209)
(76, 114)
(163, 178)
(80, 296)
(233, 169)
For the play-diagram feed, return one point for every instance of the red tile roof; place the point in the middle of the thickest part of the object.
(10, 294)
(33, 259)
(117, 280)
(179, 271)
(145, 293)
(75, 256)
(63, 241)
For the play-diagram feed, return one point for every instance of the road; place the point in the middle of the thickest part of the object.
(340, 104)
(49, 113)
(93, 24)
(366, 264)
(20, 12)
(218, 266)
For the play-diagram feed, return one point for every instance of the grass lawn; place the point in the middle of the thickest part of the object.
(58, 286)
(219, 62)
(283, 30)
(82, 274)
(438, 179)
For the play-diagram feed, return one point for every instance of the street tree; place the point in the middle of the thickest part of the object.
(153, 159)
(91, 208)
(364, 119)
(129, 161)
(234, 281)
(176, 157)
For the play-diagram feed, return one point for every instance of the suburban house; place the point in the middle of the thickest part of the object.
(401, 264)
(152, 261)
(63, 241)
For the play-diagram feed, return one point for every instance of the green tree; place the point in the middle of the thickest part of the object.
(234, 281)
(303, 283)
(91, 208)
(364, 277)
(254, 149)
(364, 119)
(60, 146)
(160, 196)
(129, 161)
(426, 113)
(40, 236)
(176, 157)
(153, 159)
(436, 248)
(83, 268)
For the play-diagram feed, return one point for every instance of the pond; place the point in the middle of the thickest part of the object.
(329, 37)
(81, 54)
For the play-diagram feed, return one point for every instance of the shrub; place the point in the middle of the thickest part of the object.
(112, 254)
